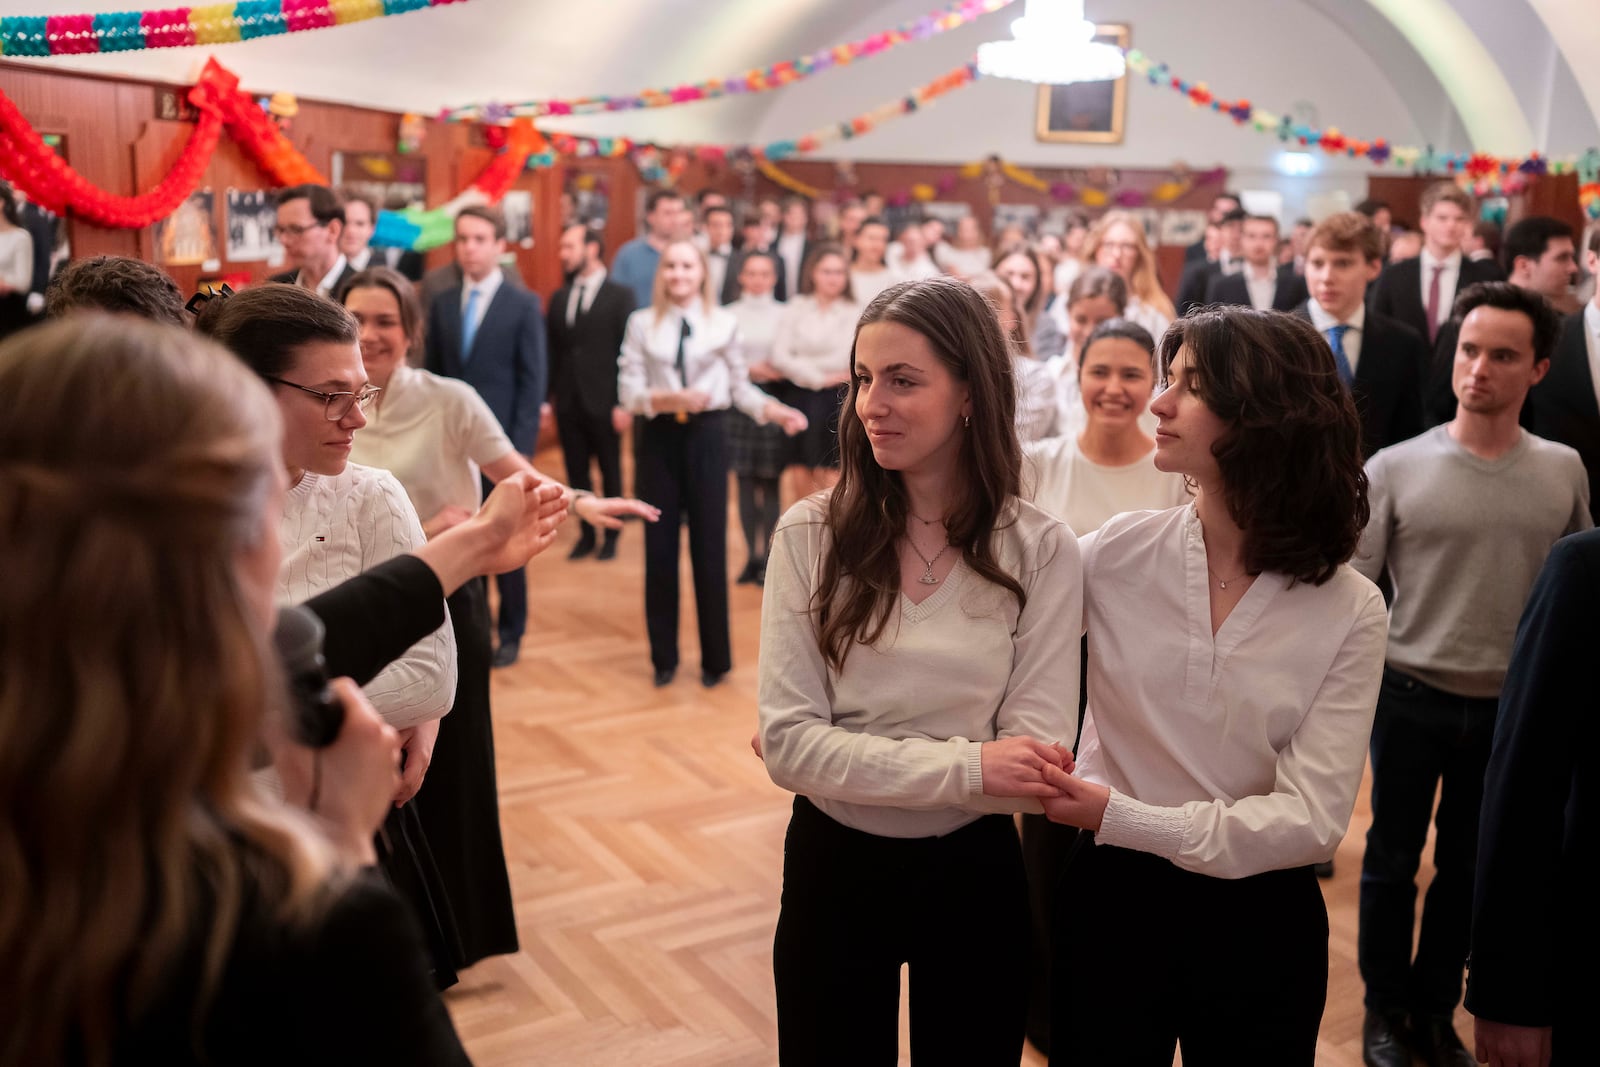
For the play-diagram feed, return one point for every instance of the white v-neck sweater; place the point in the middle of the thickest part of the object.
(892, 744)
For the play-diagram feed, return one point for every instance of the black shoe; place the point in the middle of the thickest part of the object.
(584, 546)
(748, 575)
(507, 653)
(712, 679)
(608, 549)
(1436, 1042)
(761, 574)
(664, 676)
(1383, 1041)
(1324, 869)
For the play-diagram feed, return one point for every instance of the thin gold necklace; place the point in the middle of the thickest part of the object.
(1221, 582)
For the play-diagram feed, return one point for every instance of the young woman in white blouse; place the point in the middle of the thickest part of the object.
(812, 350)
(339, 519)
(1021, 269)
(682, 366)
(756, 452)
(1234, 664)
(919, 662)
(870, 273)
(435, 435)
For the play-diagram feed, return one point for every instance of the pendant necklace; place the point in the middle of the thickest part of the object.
(927, 575)
(1221, 582)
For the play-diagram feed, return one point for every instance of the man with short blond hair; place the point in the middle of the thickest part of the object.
(1420, 292)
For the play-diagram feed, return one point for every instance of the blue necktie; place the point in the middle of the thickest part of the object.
(1340, 359)
(469, 325)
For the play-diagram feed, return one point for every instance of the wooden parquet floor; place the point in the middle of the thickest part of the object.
(645, 845)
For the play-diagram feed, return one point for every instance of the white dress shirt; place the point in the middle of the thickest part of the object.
(1591, 335)
(486, 290)
(910, 270)
(434, 434)
(325, 286)
(713, 357)
(581, 293)
(333, 528)
(1151, 318)
(963, 262)
(363, 259)
(813, 343)
(758, 325)
(791, 249)
(865, 285)
(1227, 754)
(1447, 282)
(892, 743)
(1262, 289)
(1352, 337)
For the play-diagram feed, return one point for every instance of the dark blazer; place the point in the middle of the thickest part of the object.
(730, 283)
(1195, 253)
(508, 365)
(1398, 291)
(1232, 289)
(42, 226)
(583, 356)
(1388, 385)
(1195, 280)
(1564, 407)
(1534, 923)
(288, 277)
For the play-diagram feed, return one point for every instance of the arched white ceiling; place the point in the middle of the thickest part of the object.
(1576, 29)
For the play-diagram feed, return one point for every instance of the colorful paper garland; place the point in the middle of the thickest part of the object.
(758, 80)
(182, 27)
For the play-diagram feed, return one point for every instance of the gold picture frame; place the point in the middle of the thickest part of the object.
(1086, 112)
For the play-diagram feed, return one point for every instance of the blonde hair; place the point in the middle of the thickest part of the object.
(659, 301)
(1143, 283)
(995, 289)
(136, 462)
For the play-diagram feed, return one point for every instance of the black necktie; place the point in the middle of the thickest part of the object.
(683, 372)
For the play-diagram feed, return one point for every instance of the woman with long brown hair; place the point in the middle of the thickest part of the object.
(1234, 662)
(157, 907)
(919, 660)
(1117, 242)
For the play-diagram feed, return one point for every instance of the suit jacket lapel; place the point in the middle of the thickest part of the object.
(1570, 381)
(453, 324)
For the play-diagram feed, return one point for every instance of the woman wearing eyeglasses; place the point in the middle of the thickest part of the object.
(340, 519)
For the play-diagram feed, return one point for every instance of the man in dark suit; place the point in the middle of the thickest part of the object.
(793, 243)
(1420, 292)
(588, 318)
(310, 225)
(1223, 243)
(360, 219)
(1534, 928)
(1261, 283)
(720, 251)
(491, 335)
(1222, 204)
(1566, 405)
(1382, 359)
(753, 237)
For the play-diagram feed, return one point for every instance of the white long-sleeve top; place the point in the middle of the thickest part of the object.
(1233, 754)
(434, 434)
(758, 318)
(16, 259)
(891, 745)
(335, 528)
(813, 342)
(1060, 479)
(713, 359)
(1037, 399)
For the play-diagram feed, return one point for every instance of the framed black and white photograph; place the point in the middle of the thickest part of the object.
(1086, 112)
(517, 208)
(251, 216)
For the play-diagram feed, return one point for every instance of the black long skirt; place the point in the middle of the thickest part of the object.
(459, 803)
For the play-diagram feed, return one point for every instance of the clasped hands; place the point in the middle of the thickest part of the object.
(1026, 767)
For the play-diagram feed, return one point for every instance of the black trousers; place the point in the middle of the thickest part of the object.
(857, 906)
(683, 470)
(1421, 737)
(1151, 956)
(513, 589)
(587, 437)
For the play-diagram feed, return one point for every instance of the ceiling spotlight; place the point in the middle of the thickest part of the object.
(1053, 44)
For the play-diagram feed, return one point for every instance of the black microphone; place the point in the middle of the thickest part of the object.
(316, 716)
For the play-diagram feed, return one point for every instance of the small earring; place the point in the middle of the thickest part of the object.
(966, 422)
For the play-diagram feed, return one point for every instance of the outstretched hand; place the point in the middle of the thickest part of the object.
(1075, 802)
(521, 517)
(609, 511)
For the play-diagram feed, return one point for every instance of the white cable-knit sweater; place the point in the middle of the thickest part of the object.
(334, 528)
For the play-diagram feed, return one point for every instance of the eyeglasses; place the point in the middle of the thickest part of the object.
(336, 405)
(1120, 246)
(295, 231)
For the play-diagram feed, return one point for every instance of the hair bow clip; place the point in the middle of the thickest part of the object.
(200, 298)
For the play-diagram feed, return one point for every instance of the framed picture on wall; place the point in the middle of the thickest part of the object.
(189, 235)
(1086, 112)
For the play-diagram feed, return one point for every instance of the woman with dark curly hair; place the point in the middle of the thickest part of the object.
(1234, 661)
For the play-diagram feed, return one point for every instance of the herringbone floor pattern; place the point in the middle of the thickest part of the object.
(645, 845)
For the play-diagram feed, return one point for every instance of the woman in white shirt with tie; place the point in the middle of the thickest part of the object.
(682, 366)
(1234, 663)
(919, 658)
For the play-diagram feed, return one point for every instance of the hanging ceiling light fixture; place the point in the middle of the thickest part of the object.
(1053, 44)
